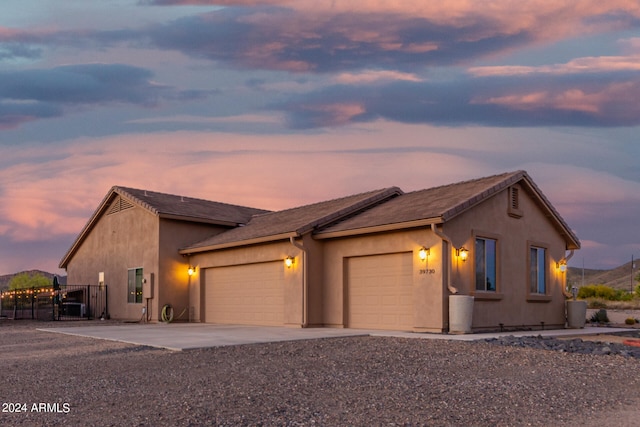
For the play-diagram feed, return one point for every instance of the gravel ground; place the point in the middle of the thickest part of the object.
(340, 381)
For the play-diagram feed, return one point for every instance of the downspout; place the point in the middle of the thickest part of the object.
(564, 261)
(445, 238)
(304, 280)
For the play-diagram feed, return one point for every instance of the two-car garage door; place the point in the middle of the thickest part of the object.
(380, 292)
(250, 294)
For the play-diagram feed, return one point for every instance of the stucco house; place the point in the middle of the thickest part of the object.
(384, 259)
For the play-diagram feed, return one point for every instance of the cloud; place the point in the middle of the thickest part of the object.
(576, 66)
(592, 99)
(372, 76)
(33, 94)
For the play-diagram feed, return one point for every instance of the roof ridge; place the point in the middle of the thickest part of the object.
(469, 181)
(127, 190)
(381, 190)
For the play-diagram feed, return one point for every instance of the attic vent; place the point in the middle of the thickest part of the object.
(119, 204)
(514, 203)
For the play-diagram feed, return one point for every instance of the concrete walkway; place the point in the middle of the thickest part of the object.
(189, 336)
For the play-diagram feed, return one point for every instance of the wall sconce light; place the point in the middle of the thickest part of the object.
(462, 253)
(562, 265)
(289, 261)
(191, 271)
(423, 253)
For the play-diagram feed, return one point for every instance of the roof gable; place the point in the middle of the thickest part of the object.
(293, 222)
(441, 204)
(163, 205)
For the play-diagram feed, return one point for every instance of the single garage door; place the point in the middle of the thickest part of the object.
(250, 294)
(380, 292)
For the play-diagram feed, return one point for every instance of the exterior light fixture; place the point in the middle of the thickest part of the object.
(288, 261)
(191, 271)
(462, 253)
(562, 265)
(423, 253)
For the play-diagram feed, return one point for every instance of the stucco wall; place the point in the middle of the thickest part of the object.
(120, 241)
(172, 282)
(511, 305)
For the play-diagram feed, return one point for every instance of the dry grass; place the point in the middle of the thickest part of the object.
(613, 305)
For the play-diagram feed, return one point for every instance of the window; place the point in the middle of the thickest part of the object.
(537, 270)
(134, 286)
(485, 264)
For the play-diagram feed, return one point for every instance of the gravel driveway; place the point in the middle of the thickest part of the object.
(65, 380)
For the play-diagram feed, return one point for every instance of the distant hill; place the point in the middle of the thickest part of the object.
(4, 280)
(617, 278)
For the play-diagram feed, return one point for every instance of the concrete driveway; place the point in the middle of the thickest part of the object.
(189, 336)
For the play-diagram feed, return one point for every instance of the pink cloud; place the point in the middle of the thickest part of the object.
(579, 65)
(367, 77)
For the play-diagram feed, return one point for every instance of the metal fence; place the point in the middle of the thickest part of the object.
(70, 302)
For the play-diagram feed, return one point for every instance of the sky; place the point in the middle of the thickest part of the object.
(280, 103)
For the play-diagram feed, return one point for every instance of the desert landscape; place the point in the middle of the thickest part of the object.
(338, 381)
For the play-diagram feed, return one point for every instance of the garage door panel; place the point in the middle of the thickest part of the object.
(246, 294)
(380, 292)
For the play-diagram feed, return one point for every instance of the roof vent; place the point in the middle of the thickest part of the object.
(118, 205)
(514, 203)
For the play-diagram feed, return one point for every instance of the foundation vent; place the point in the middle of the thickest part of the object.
(118, 205)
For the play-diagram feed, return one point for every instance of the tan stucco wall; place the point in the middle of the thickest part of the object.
(136, 238)
(124, 240)
(512, 307)
(173, 284)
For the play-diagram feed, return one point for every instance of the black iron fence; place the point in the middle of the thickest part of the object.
(70, 302)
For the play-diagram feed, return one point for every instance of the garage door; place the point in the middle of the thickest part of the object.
(245, 294)
(380, 292)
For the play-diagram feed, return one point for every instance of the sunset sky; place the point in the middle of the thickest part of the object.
(275, 104)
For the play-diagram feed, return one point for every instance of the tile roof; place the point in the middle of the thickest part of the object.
(443, 203)
(167, 206)
(438, 203)
(295, 221)
(189, 208)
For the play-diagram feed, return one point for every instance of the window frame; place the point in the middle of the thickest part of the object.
(487, 294)
(536, 295)
(134, 294)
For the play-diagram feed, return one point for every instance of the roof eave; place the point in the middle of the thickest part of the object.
(199, 219)
(87, 228)
(378, 228)
(239, 243)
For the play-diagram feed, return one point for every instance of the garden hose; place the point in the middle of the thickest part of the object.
(167, 313)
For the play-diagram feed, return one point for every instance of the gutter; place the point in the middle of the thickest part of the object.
(305, 283)
(445, 238)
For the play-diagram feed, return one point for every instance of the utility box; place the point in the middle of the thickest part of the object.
(147, 286)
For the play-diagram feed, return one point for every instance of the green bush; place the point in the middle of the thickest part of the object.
(600, 316)
(604, 292)
(630, 321)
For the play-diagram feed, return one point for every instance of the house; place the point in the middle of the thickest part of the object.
(133, 239)
(384, 259)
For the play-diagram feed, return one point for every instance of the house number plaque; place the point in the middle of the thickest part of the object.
(427, 271)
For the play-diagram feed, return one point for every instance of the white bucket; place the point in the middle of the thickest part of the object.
(576, 313)
(460, 314)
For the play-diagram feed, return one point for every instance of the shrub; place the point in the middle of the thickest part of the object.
(630, 321)
(600, 316)
(604, 292)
